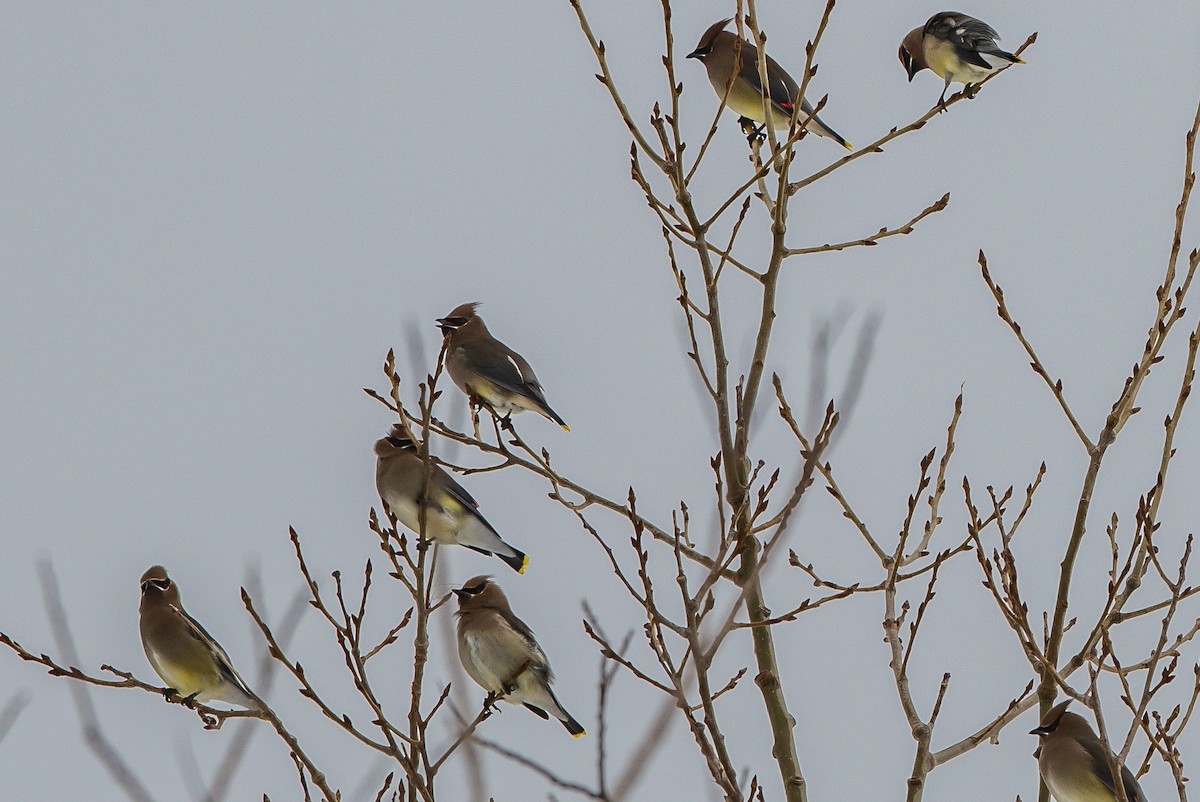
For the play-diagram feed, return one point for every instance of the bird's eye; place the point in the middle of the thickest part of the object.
(455, 322)
(157, 584)
(474, 589)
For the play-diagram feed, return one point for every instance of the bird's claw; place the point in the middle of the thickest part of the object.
(754, 133)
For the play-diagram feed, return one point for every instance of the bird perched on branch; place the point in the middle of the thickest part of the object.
(1074, 763)
(501, 654)
(190, 662)
(958, 48)
(732, 65)
(451, 515)
(488, 371)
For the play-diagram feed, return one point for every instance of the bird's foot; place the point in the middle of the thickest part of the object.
(189, 701)
(475, 405)
(970, 91)
(754, 133)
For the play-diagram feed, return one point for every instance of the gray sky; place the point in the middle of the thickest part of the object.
(218, 219)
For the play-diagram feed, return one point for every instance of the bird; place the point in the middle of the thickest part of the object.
(499, 652)
(182, 653)
(957, 48)
(724, 53)
(451, 514)
(1074, 763)
(487, 370)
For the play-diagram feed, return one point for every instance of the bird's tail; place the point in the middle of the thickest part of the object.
(552, 415)
(574, 727)
(517, 561)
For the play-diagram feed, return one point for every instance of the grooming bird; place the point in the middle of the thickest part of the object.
(729, 58)
(1074, 763)
(957, 48)
(500, 653)
(182, 652)
(487, 370)
(451, 515)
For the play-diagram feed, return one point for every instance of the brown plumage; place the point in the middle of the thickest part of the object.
(498, 650)
(487, 370)
(1074, 763)
(956, 47)
(181, 651)
(733, 73)
(451, 515)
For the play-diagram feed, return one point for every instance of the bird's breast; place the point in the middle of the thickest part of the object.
(943, 59)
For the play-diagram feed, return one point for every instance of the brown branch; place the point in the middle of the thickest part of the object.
(874, 239)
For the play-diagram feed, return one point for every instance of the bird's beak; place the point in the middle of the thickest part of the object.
(693, 54)
(1039, 731)
(460, 593)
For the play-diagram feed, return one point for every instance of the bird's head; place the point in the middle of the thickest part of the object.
(480, 593)
(461, 316)
(156, 584)
(705, 47)
(398, 438)
(912, 52)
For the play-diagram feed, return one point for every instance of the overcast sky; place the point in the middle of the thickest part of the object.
(218, 218)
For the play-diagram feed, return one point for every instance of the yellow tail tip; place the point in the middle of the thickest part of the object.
(1018, 60)
(847, 146)
(524, 565)
(565, 427)
(579, 734)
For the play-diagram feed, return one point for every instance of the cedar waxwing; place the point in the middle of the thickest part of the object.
(451, 515)
(182, 652)
(719, 52)
(956, 47)
(501, 654)
(487, 370)
(1074, 763)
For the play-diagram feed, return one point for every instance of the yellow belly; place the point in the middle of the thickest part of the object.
(944, 60)
(188, 679)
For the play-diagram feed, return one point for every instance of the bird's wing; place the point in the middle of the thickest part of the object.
(1100, 766)
(224, 664)
(783, 89)
(538, 663)
(441, 480)
(970, 37)
(504, 367)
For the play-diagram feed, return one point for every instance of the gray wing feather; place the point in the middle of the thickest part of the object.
(970, 36)
(224, 664)
(783, 89)
(1101, 768)
(506, 368)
